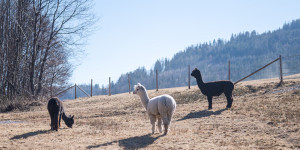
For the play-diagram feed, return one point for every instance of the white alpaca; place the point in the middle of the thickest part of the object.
(161, 108)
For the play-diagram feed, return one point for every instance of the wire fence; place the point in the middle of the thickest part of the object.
(280, 67)
(291, 65)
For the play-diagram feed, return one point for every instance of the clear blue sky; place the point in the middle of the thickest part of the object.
(133, 33)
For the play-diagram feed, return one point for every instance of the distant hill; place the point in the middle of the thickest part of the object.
(246, 51)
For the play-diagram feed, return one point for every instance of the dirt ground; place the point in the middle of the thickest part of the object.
(263, 116)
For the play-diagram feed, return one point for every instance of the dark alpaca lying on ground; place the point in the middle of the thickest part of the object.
(216, 88)
(56, 111)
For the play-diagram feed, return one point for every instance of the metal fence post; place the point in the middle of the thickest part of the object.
(75, 91)
(280, 68)
(229, 70)
(128, 83)
(156, 80)
(189, 76)
(91, 87)
(109, 92)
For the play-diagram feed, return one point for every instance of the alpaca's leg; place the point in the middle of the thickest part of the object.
(52, 117)
(159, 123)
(152, 120)
(59, 119)
(229, 99)
(209, 98)
(56, 121)
(166, 122)
(169, 116)
(52, 121)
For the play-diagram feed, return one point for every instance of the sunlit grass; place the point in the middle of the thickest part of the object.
(263, 116)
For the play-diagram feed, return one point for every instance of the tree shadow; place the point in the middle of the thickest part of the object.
(29, 134)
(202, 114)
(136, 142)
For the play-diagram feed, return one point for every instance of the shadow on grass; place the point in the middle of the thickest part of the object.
(136, 142)
(29, 134)
(201, 114)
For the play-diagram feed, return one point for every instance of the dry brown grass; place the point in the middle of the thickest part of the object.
(263, 116)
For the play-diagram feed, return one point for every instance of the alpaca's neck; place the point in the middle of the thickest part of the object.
(199, 80)
(145, 99)
(65, 117)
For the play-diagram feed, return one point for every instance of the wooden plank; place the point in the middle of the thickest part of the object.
(64, 91)
(83, 91)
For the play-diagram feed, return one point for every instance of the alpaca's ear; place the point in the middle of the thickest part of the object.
(72, 117)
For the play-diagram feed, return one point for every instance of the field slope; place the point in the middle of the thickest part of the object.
(263, 116)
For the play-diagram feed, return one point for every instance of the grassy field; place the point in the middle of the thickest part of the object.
(263, 116)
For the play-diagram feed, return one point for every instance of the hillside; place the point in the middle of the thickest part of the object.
(246, 51)
(263, 117)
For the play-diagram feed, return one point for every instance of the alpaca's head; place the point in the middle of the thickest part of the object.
(139, 89)
(70, 121)
(196, 73)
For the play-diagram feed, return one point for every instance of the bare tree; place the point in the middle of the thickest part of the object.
(36, 40)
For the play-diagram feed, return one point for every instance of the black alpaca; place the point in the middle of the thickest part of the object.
(56, 111)
(216, 88)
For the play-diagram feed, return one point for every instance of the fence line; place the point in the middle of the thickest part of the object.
(291, 56)
(75, 88)
(189, 80)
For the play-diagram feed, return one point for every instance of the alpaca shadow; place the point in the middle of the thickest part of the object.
(202, 114)
(136, 142)
(29, 134)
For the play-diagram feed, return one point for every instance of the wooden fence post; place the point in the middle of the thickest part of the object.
(189, 76)
(280, 65)
(156, 80)
(229, 70)
(128, 83)
(91, 87)
(109, 94)
(75, 91)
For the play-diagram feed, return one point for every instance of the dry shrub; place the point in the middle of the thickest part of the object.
(18, 103)
(11, 105)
